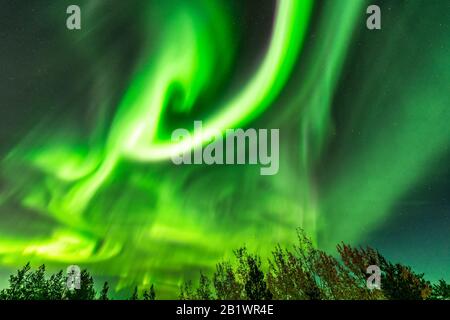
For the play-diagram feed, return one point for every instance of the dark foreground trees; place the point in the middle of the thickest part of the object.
(300, 273)
(306, 273)
(30, 284)
(34, 285)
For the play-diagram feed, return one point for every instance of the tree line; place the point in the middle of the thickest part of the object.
(28, 284)
(300, 273)
(307, 273)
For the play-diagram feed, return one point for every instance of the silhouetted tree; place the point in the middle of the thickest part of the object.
(36, 287)
(104, 292)
(56, 286)
(249, 268)
(204, 288)
(290, 277)
(135, 295)
(186, 291)
(441, 291)
(399, 282)
(86, 291)
(355, 264)
(226, 285)
(17, 285)
(150, 295)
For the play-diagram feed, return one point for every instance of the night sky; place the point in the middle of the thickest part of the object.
(86, 117)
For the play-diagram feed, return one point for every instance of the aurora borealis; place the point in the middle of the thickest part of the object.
(85, 170)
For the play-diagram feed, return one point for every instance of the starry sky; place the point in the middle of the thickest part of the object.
(86, 119)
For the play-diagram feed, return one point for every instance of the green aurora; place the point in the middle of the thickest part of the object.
(100, 191)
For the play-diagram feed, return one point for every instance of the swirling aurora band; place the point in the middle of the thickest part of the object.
(117, 205)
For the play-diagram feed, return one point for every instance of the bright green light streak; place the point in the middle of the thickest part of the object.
(186, 60)
(290, 27)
